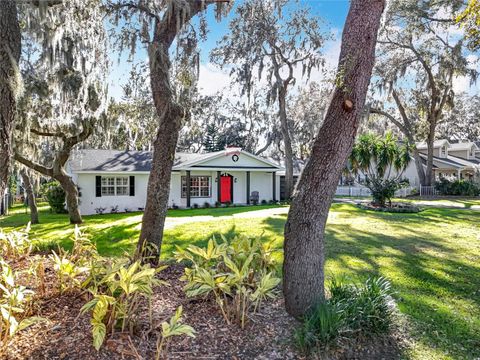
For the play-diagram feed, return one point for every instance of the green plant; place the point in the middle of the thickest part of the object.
(56, 198)
(382, 160)
(68, 272)
(174, 327)
(240, 274)
(206, 205)
(352, 310)
(15, 244)
(323, 326)
(457, 187)
(117, 287)
(15, 301)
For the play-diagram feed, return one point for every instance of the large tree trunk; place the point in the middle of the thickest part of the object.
(32, 203)
(71, 197)
(419, 167)
(287, 141)
(303, 284)
(170, 115)
(10, 48)
(430, 143)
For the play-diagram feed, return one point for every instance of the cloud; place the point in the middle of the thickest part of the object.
(212, 79)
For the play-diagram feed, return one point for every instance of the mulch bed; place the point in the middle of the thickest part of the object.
(393, 208)
(268, 334)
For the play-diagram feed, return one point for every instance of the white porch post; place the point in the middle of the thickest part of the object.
(459, 173)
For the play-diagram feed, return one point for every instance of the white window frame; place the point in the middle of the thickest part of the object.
(115, 185)
(196, 189)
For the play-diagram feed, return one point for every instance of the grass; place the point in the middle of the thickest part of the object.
(431, 258)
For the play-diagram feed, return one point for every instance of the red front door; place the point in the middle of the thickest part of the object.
(225, 189)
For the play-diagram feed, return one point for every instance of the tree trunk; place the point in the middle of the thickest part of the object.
(170, 115)
(30, 197)
(287, 141)
(10, 48)
(71, 197)
(430, 143)
(419, 167)
(303, 284)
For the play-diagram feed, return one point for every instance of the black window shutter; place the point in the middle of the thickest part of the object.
(98, 186)
(132, 185)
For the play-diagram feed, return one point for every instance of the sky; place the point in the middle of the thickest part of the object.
(212, 79)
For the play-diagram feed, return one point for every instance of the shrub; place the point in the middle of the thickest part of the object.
(240, 274)
(56, 198)
(72, 267)
(264, 202)
(218, 204)
(100, 210)
(195, 206)
(15, 301)
(114, 209)
(117, 287)
(169, 329)
(206, 205)
(457, 187)
(352, 310)
(15, 244)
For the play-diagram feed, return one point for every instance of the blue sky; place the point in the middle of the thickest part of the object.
(333, 12)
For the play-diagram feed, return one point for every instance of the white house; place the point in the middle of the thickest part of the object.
(109, 178)
(450, 160)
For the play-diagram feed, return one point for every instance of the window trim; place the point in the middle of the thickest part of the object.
(183, 179)
(115, 185)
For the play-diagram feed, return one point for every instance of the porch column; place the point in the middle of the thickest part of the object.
(219, 189)
(459, 173)
(274, 186)
(248, 187)
(188, 188)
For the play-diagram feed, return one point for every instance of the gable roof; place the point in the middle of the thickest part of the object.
(463, 146)
(141, 161)
(436, 144)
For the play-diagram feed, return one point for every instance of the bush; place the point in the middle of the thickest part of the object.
(218, 204)
(383, 190)
(56, 198)
(457, 187)
(15, 244)
(206, 205)
(352, 310)
(195, 206)
(264, 202)
(239, 274)
(15, 301)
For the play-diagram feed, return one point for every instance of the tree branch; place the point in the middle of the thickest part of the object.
(46, 133)
(33, 165)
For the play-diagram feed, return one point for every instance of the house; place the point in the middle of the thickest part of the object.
(451, 160)
(109, 178)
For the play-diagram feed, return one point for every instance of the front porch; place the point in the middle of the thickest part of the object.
(195, 188)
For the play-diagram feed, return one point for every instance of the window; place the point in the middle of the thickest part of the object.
(443, 152)
(115, 185)
(199, 186)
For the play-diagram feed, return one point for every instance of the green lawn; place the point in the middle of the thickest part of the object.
(432, 259)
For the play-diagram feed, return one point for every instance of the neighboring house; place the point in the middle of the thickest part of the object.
(450, 160)
(108, 178)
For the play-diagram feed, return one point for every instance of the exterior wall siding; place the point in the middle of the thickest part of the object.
(259, 181)
(89, 202)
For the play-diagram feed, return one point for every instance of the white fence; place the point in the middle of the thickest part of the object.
(363, 191)
(428, 191)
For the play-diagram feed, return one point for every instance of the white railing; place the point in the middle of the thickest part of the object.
(363, 191)
(352, 191)
(428, 191)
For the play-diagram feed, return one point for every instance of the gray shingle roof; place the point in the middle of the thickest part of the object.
(115, 160)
